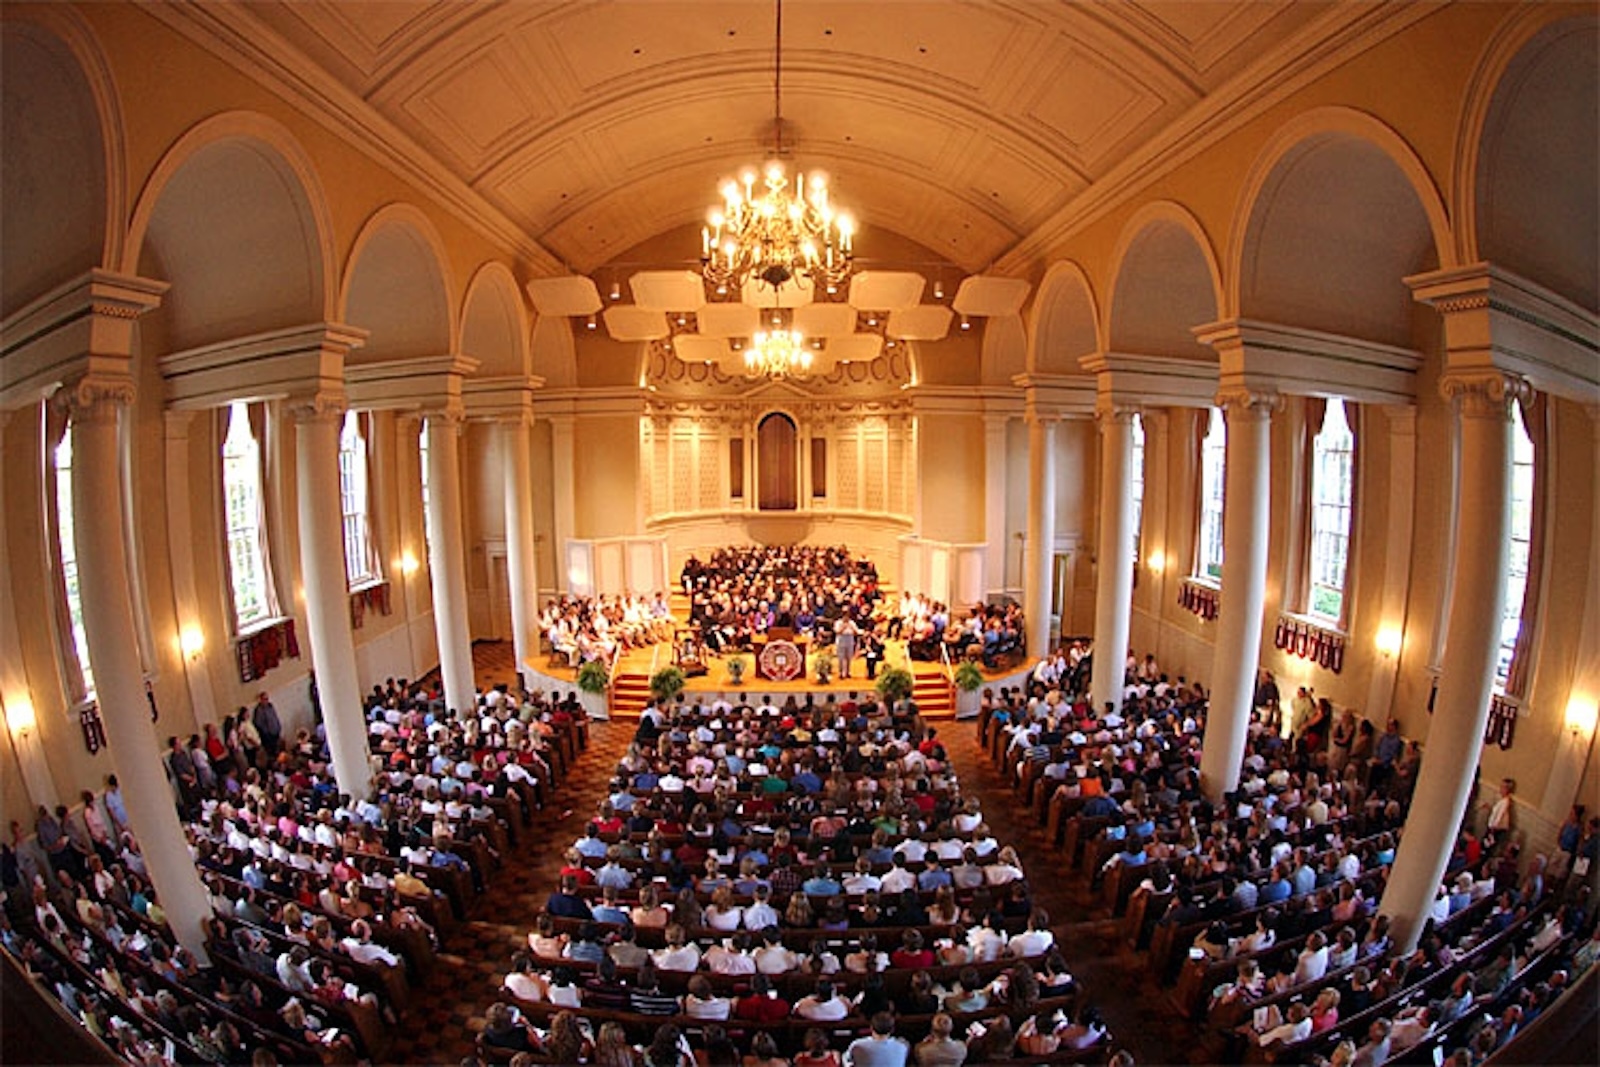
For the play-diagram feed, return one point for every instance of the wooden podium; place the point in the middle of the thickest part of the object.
(780, 657)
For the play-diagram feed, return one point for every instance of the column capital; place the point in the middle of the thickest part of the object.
(1483, 392)
(95, 397)
(324, 406)
(1107, 412)
(449, 417)
(175, 423)
(1240, 402)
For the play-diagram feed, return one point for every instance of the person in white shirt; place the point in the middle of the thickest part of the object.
(701, 1003)
(912, 850)
(1005, 869)
(523, 982)
(985, 942)
(1297, 1027)
(897, 879)
(1037, 939)
(731, 957)
(361, 948)
(774, 957)
(761, 914)
(862, 880)
(677, 956)
(823, 1005)
(1313, 960)
(983, 842)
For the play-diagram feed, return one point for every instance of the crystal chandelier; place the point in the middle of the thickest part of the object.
(778, 353)
(773, 233)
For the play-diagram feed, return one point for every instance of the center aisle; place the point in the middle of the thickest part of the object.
(1116, 979)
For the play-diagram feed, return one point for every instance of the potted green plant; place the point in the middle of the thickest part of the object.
(894, 684)
(667, 682)
(969, 679)
(822, 665)
(737, 665)
(593, 677)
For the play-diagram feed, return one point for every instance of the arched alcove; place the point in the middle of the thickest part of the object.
(777, 463)
(395, 288)
(494, 325)
(1338, 214)
(53, 184)
(1065, 321)
(1164, 284)
(1538, 164)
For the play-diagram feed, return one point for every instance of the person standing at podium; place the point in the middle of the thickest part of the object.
(844, 643)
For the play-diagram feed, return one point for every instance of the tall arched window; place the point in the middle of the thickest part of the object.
(255, 600)
(1136, 480)
(82, 686)
(360, 557)
(1213, 461)
(1525, 551)
(777, 463)
(1332, 497)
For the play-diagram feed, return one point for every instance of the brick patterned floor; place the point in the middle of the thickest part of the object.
(448, 1011)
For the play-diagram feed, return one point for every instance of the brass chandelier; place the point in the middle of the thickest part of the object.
(772, 232)
(777, 353)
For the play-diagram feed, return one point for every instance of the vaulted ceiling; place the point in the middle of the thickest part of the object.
(964, 125)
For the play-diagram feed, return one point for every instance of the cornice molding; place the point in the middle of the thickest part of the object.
(1133, 381)
(300, 361)
(1343, 32)
(81, 329)
(1260, 356)
(233, 34)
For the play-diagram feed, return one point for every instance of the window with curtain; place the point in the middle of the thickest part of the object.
(1332, 498)
(81, 687)
(1213, 460)
(1136, 428)
(355, 502)
(244, 516)
(1525, 550)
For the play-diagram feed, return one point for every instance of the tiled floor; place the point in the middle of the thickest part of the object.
(447, 1012)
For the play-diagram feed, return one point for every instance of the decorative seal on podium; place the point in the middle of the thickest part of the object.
(781, 661)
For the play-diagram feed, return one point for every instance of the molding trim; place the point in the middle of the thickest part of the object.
(1267, 357)
(1132, 381)
(83, 328)
(296, 362)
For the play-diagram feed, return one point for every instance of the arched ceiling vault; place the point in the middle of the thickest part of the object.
(961, 125)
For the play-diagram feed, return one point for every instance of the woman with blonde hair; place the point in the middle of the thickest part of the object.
(650, 911)
(799, 914)
(611, 1048)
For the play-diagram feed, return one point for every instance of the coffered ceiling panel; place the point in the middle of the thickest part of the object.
(963, 125)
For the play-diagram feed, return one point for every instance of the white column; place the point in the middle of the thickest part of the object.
(447, 560)
(1244, 587)
(562, 489)
(1113, 604)
(103, 582)
(1402, 478)
(994, 502)
(1041, 532)
(521, 569)
(1482, 402)
(317, 422)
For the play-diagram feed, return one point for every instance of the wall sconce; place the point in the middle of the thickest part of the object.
(19, 717)
(409, 565)
(1157, 562)
(1581, 714)
(1389, 641)
(192, 642)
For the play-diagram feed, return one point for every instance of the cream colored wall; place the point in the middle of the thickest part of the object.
(950, 477)
(606, 474)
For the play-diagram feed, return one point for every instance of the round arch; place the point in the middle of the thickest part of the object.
(1064, 322)
(553, 353)
(494, 323)
(1164, 282)
(397, 287)
(1536, 80)
(65, 150)
(186, 226)
(1336, 211)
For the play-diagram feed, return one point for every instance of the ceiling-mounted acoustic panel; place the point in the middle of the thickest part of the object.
(628, 323)
(925, 322)
(825, 320)
(569, 296)
(728, 320)
(857, 348)
(886, 290)
(794, 293)
(668, 290)
(692, 349)
(990, 297)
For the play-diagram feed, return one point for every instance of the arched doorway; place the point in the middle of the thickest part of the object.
(777, 463)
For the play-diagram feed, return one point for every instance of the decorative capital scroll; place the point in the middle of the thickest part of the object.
(1109, 412)
(1484, 393)
(1241, 402)
(448, 419)
(322, 406)
(94, 397)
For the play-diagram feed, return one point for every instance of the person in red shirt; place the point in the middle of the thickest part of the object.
(762, 1004)
(575, 868)
(911, 953)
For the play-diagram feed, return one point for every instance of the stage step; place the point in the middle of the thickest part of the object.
(630, 693)
(931, 690)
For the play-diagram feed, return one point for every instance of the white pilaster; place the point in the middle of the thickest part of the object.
(563, 490)
(994, 502)
(180, 556)
(521, 567)
(1040, 552)
(447, 559)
